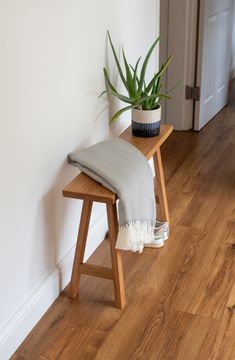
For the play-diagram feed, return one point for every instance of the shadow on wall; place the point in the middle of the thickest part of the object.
(112, 103)
(57, 218)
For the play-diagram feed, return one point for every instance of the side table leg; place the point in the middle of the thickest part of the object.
(80, 248)
(161, 187)
(116, 257)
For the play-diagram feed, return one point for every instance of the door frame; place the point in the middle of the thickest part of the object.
(181, 34)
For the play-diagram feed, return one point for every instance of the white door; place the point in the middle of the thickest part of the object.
(214, 55)
(178, 22)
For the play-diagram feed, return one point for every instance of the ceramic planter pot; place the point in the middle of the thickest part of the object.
(146, 123)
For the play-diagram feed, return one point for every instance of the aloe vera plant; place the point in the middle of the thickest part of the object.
(139, 94)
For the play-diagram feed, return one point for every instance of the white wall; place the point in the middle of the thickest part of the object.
(52, 54)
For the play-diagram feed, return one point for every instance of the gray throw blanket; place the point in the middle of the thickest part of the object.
(123, 169)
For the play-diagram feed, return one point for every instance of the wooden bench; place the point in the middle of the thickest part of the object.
(88, 190)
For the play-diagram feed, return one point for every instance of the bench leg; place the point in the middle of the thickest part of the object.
(80, 248)
(116, 257)
(161, 187)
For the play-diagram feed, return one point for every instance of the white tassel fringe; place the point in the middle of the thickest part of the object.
(134, 235)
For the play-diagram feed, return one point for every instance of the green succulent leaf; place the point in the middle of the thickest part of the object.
(117, 62)
(103, 92)
(119, 113)
(135, 77)
(159, 73)
(108, 83)
(174, 87)
(129, 78)
(123, 98)
(158, 85)
(153, 96)
(145, 63)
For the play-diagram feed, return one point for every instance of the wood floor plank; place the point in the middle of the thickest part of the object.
(224, 345)
(211, 296)
(216, 196)
(183, 337)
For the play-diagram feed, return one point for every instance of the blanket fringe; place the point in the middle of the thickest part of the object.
(134, 235)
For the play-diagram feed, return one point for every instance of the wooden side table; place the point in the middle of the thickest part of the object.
(88, 190)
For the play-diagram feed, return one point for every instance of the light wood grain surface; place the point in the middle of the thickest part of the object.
(148, 146)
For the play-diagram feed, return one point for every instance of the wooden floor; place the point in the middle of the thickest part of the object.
(181, 298)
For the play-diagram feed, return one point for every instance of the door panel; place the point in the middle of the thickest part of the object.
(179, 23)
(214, 49)
(210, 65)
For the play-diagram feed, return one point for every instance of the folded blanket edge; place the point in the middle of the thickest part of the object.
(134, 235)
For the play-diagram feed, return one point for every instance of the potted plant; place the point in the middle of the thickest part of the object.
(142, 98)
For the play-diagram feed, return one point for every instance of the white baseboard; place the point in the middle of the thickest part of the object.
(15, 330)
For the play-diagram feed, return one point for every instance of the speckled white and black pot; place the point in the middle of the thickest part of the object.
(146, 123)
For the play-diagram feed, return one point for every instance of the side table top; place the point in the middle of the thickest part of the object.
(83, 187)
(148, 146)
